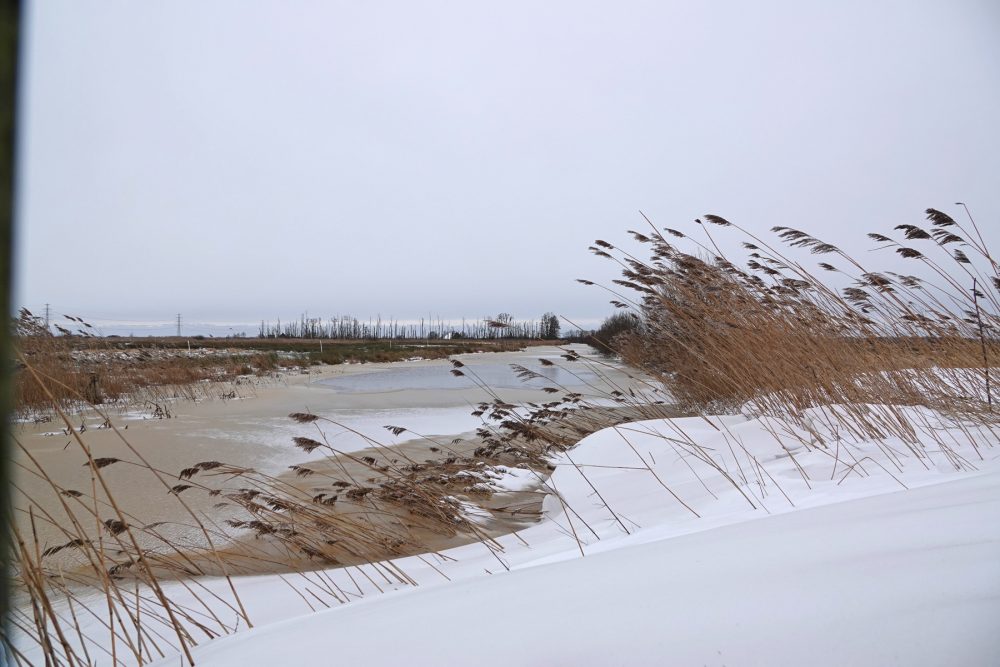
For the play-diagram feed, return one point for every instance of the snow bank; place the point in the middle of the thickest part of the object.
(909, 578)
(729, 540)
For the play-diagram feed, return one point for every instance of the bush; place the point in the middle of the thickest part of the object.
(614, 331)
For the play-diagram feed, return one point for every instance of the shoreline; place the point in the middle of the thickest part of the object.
(254, 432)
(454, 469)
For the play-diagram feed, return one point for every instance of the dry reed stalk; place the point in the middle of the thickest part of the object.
(129, 624)
(778, 337)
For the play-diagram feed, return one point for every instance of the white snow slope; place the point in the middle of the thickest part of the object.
(889, 554)
(909, 578)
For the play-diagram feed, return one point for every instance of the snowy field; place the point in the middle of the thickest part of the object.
(680, 542)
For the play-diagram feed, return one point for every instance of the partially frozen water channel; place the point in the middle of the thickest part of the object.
(489, 373)
(359, 401)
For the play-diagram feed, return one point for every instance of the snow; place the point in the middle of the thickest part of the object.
(908, 578)
(684, 541)
(503, 478)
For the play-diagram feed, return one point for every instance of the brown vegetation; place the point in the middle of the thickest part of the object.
(776, 335)
(80, 367)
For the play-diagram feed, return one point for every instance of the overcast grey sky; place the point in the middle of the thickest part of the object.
(243, 160)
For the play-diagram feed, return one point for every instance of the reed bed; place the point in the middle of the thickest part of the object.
(78, 369)
(775, 336)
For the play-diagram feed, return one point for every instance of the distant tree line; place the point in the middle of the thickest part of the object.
(347, 327)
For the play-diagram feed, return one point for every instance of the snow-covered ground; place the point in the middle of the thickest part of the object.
(906, 578)
(682, 542)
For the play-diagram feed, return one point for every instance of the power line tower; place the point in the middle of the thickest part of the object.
(178, 325)
(46, 317)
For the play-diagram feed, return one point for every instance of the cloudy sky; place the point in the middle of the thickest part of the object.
(243, 160)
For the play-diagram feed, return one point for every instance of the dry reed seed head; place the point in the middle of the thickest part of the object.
(821, 248)
(525, 373)
(115, 526)
(799, 239)
(944, 237)
(876, 280)
(938, 218)
(717, 220)
(180, 488)
(913, 232)
(911, 282)
(395, 430)
(880, 238)
(118, 569)
(787, 232)
(961, 257)
(306, 444)
(103, 462)
(456, 363)
(603, 244)
(303, 417)
(910, 253)
(457, 373)
(52, 550)
(188, 473)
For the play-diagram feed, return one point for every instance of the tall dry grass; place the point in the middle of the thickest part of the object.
(114, 575)
(79, 368)
(778, 336)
